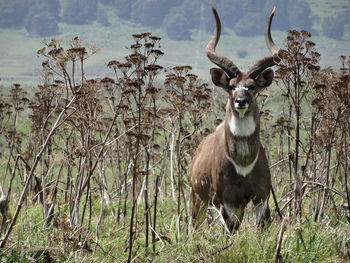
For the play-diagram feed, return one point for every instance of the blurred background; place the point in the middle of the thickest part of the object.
(184, 26)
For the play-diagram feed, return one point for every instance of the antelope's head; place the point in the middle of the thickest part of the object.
(242, 87)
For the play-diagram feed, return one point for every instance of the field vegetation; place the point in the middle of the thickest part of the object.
(96, 169)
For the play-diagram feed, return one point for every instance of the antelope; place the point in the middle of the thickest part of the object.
(230, 168)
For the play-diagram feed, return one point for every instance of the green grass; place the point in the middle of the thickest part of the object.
(303, 241)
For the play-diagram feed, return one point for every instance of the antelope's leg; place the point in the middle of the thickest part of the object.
(233, 217)
(199, 209)
(262, 211)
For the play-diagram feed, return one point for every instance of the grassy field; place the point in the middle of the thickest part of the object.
(303, 241)
(101, 202)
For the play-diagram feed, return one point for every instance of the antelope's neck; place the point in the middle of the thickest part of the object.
(242, 138)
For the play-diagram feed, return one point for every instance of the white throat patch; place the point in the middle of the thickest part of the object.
(242, 126)
(244, 170)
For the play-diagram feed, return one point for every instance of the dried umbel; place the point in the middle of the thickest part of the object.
(5, 108)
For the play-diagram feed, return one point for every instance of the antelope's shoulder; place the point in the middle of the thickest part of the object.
(208, 151)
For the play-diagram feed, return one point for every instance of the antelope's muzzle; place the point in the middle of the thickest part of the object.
(241, 103)
(241, 106)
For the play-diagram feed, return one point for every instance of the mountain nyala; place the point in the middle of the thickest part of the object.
(230, 168)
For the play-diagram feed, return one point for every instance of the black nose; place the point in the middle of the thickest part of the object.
(241, 102)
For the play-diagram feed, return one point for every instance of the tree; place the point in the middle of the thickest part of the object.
(177, 27)
(79, 12)
(52, 6)
(12, 13)
(333, 27)
(281, 21)
(123, 8)
(299, 14)
(151, 12)
(230, 12)
(42, 24)
(189, 15)
(40, 10)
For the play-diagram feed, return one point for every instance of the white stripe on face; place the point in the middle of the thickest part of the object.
(241, 88)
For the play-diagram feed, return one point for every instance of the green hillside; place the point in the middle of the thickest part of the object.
(19, 62)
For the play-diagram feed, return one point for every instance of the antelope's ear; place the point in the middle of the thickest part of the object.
(219, 78)
(265, 78)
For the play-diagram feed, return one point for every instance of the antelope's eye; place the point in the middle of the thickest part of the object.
(231, 87)
(250, 87)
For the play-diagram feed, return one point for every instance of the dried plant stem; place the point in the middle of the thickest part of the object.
(31, 173)
(276, 203)
(134, 175)
(278, 257)
(156, 190)
(103, 145)
(172, 180)
(147, 207)
(297, 183)
(99, 222)
(215, 252)
(328, 167)
(346, 167)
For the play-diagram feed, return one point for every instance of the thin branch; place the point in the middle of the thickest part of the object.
(31, 173)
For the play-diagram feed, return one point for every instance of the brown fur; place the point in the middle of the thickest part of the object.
(230, 167)
(214, 178)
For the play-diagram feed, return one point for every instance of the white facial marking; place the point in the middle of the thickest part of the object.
(243, 170)
(241, 111)
(241, 88)
(242, 126)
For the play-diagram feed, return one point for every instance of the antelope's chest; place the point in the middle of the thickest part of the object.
(242, 148)
(235, 189)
